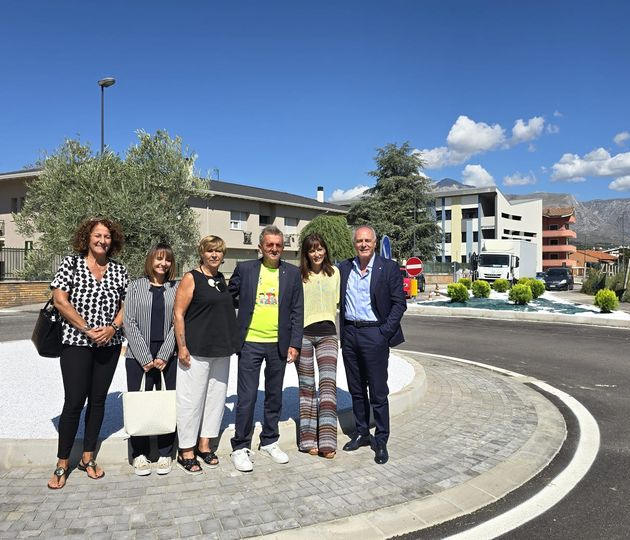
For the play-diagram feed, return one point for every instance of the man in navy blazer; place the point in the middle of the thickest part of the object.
(372, 303)
(270, 324)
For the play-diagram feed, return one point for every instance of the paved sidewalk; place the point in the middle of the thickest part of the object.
(476, 436)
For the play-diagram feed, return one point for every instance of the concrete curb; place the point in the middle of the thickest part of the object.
(30, 452)
(417, 309)
(457, 501)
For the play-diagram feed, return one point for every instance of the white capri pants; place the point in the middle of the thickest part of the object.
(201, 391)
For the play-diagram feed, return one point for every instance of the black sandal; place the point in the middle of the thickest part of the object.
(89, 465)
(59, 472)
(209, 458)
(187, 464)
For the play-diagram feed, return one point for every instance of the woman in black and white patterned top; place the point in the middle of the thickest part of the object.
(88, 290)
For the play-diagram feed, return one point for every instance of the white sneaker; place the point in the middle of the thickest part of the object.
(242, 459)
(141, 466)
(164, 465)
(275, 453)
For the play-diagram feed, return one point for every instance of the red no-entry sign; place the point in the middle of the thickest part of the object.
(413, 266)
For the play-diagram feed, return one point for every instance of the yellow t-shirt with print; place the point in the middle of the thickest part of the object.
(264, 325)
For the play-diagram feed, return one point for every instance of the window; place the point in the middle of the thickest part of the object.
(516, 233)
(506, 231)
(290, 224)
(438, 215)
(469, 213)
(530, 234)
(504, 215)
(516, 218)
(475, 236)
(463, 258)
(553, 242)
(553, 227)
(487, 234)
(238, 220)
(15, 205)
(447, 258)
(448, 214)
(264, 220)
(447, 237)
(463, 236)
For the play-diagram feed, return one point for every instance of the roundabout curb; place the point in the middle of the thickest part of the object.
(34, 452)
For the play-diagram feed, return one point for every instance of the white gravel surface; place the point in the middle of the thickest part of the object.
(31, 393)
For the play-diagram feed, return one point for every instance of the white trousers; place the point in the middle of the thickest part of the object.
(201, 391)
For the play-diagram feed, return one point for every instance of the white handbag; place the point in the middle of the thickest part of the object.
(149, 413)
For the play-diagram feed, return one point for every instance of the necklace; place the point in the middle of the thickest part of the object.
(214, 282)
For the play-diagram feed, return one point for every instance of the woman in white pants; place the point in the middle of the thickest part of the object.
(205, 329)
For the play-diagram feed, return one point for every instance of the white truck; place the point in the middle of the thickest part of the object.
(507, 259)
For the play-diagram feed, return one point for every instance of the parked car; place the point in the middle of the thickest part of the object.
(558, 278)
(541, 275)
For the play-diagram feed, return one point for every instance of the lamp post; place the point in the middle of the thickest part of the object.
(104, 83)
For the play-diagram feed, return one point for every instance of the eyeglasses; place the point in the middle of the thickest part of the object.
(217, 284)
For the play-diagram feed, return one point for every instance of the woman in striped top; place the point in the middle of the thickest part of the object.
(318, 421)
(151, 344)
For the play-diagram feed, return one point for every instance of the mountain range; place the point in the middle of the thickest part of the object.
(600, 221)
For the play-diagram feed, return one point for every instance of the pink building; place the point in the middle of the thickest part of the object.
(557, 247)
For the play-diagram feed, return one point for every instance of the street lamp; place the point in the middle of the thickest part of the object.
(104, 83)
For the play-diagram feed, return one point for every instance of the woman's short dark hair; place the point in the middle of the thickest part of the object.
(81, 240)
(314, 240)
(157, 249)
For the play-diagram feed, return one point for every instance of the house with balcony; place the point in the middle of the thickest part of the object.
(235, 212)
(558, 236)
(469, 216)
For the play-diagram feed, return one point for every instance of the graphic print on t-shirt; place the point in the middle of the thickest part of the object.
(264, 325)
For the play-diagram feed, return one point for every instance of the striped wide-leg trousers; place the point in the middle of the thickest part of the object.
(318, 421)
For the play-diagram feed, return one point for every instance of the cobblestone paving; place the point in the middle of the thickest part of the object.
(469, 421)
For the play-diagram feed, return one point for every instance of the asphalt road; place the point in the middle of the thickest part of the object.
(590, 363)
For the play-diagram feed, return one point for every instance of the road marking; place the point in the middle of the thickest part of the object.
(585, 454)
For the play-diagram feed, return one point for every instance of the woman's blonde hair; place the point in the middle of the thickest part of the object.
(211, 242)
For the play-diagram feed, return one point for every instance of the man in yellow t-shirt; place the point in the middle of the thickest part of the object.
(270, 322)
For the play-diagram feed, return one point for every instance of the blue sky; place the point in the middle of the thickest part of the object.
(532, 96)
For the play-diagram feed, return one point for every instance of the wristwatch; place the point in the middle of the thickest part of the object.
(115, 327)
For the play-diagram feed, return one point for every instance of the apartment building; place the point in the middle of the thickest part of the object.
(557, 236)
(467, 217)
(235, 212)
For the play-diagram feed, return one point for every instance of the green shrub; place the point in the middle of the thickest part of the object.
(457, 292)
(537, 286)
(466, 281)
(501, 285)
(481, 288)
(595, 280)
(523, 281)
(616, 283)
(606, 300)
(520, 294)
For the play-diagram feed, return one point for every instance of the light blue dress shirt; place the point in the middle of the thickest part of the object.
(358, 302)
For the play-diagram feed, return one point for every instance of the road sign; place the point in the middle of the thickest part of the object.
(386, 247)
(413, 266)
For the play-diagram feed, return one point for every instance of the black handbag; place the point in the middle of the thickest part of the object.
(48, 330)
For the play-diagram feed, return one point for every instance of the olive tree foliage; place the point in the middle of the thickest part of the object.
(389, 205)
(147, 192)
(335, 232)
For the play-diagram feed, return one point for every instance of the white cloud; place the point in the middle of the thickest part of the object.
(552, 128)
(599, 162)
(348, 194)
(518, 179)
(620, 184)
(476, 176)
(467, 138)
(621, 138)
(527, 131)
(557, 114)
(531, 147)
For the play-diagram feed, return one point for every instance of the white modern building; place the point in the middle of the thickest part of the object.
(467, 217)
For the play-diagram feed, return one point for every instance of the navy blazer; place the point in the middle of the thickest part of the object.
(386, 295)
(243, 285)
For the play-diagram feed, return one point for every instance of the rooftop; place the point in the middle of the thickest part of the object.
(558, 211)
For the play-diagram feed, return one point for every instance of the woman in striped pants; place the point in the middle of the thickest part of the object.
(318, 418)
